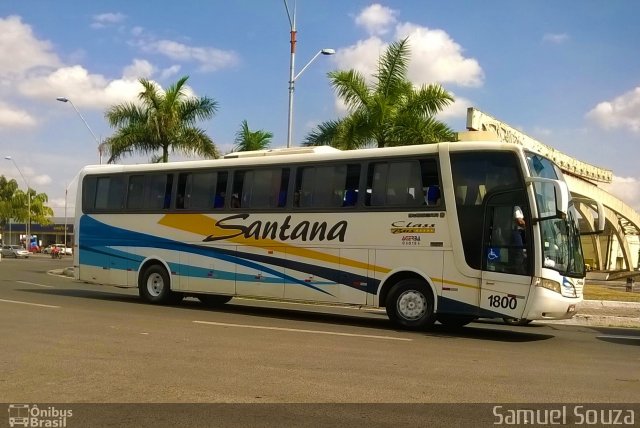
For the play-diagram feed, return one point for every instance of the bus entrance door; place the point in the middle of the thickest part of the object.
(505, 280)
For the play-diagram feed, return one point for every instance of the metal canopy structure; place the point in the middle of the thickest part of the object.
(622, 221)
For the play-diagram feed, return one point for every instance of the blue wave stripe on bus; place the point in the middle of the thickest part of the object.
(450, 306)
(121, 260)
(92, 244)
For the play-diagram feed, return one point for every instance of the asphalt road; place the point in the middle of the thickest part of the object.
(67, 342)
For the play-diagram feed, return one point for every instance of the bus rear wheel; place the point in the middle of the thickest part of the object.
(410, 304)
(154, 286)
(213, 300)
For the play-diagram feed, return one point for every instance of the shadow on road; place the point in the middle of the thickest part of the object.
(481, 330)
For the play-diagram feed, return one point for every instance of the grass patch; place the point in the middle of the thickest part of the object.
(601, 292)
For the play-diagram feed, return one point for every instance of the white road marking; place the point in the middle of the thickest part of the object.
(613, 336)
(296, 330)
(30, 304)
(33, 283)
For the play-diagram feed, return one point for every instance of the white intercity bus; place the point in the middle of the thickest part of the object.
(425, 231)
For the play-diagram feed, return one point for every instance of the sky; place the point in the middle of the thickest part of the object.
(566, 73)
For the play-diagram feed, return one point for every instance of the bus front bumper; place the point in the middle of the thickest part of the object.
(549, 305)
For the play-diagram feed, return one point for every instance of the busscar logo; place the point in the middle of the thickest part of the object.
(403, 226)
(30, 415)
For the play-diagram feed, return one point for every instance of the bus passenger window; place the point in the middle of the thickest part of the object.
(400, 183)
(327, 186)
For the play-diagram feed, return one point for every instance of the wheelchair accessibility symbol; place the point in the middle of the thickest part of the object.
(493, 254)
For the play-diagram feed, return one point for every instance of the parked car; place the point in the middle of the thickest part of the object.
(63, 249)
(14, 251)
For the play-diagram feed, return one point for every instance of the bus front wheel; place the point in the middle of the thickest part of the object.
(410, 304)
(154, 286)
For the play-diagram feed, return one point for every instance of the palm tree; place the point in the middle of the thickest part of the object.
(14, 205)
(163, 120)
(7, 200)
(247, 140)
(392, 112)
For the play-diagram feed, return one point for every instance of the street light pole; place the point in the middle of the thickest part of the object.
(65, 216)
(66, 221)
(28, 228)
(292, 76)
(292, 61)
(100, 146)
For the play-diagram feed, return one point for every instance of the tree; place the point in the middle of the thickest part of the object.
(7, 201)
(40, 212)
(390, 112)
(13, 204)
(162, 121)
(247, 140)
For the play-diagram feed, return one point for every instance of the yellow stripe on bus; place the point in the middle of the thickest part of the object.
(201, 224)
(460, 284)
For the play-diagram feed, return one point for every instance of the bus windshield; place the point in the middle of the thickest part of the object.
(542, 167)
(561, 247)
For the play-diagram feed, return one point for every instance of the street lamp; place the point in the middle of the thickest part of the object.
(100, 145)
(28, 228)
(292, 76)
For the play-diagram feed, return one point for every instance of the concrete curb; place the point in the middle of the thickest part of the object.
(596, 304)
(68, 271)
(597, 321)
(604, 313)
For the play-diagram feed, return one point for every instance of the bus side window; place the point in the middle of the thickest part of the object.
(400, 183)
(327, 186)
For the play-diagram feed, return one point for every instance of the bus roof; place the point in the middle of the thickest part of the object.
(304, 155)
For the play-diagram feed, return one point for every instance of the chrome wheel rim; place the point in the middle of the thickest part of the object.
(412, 305)
(155, 284)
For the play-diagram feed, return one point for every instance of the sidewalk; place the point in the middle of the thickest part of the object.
(604, 313)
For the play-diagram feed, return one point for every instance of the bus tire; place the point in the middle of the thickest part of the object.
(454, 321)
(154, 286)
(213, 300)
(410, 304)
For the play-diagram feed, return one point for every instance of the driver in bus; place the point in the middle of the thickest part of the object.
(518, 237)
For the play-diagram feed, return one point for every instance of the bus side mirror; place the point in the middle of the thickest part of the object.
(552, 198)
(561, 191)
(599, 224)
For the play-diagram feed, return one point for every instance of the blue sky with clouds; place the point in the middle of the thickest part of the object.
(566, 73)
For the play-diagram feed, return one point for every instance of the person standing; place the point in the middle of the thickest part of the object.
(519, 239)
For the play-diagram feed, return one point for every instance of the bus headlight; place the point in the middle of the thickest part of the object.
(568, 289)
(548, 284)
